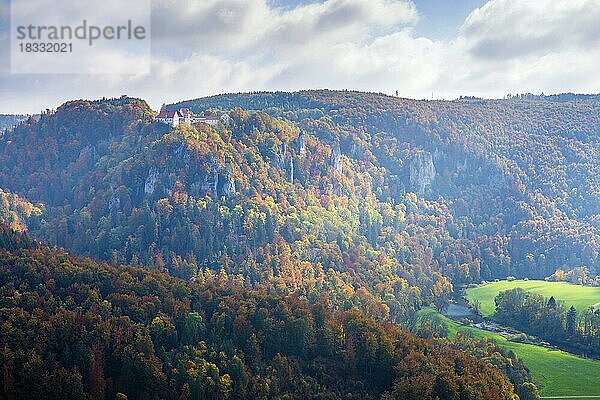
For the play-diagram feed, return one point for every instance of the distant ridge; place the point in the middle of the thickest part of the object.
(233, 99)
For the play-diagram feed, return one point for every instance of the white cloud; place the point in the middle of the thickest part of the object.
(507, 29)
(199, 73)
(232, 26)
(525, 45)
(213, 46)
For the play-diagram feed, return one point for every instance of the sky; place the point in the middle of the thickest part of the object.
(420, 48)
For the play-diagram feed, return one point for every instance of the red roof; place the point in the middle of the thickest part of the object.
(168, 114)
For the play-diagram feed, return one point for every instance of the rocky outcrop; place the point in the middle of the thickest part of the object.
(211, 179)
(114, 203)
(280, 156)
(218, 181)
(151, 180)
(182, 151)
(228, 187)
(461, 167)
(336, 158)
(302, 145)
(422, 172)
(354, 150)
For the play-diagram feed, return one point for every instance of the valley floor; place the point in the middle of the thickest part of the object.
(581, 297)
(557, 373)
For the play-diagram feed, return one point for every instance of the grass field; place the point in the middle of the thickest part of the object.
(581, 297)
(555, 372)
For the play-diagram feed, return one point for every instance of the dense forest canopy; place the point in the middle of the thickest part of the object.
(523, 174)
(73, 328)
(384, 203)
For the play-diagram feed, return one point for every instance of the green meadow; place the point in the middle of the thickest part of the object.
(556, 373)
(581, 297)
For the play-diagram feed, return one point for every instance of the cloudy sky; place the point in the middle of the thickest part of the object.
(422, 48)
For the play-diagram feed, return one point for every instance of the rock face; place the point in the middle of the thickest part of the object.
(114, 203)
(228, 184)
(151, 181)
(302, 145)
(219, 181)
(280, 156)
(336, 158)
(354, 150)
(211, 179)
(461, 167)
(422, 172)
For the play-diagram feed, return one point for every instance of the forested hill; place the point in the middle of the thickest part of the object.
(71, 328)
(550, 144)
(383, 203)
(524, 172)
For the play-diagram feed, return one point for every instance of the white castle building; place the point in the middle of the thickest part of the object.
(184, 115)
